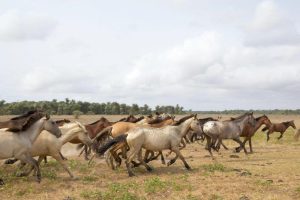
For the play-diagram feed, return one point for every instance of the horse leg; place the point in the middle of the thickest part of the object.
(62, 157)
(45, 159)
(62, 162)
(281, 134)
(268, 135)
(131, 154)
(172, 160)
(10, 161)
(250, 145)
(241, 144)
(162, 158)
(209, 145)
(183, 143)
(29, 170)
(223, 145)
(29, 160)
(178, 154)
(140, 158)
(238, 149)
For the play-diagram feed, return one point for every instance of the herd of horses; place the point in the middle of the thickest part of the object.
(135, 140)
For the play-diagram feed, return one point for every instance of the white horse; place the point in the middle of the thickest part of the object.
(154, 139)
(48, 145)
(18, 145)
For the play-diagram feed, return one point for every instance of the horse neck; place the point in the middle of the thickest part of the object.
(258, 124)
(34, 130)
(69, 134)
(241, 123)
(184, 126)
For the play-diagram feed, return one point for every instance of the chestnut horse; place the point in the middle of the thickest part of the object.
(278, 127)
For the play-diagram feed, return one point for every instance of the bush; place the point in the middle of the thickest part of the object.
(77, 113)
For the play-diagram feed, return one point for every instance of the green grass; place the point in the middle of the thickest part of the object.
(116, 191)
(214, 167)
(154, 185)
(265, 183)
(87, 179)
(49, 173)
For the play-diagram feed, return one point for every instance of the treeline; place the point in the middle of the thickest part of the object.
(69, 107)
(267, 112)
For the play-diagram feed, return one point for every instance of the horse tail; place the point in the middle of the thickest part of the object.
(265, 128)
(109, 143)
(297, 135)
(104, 134)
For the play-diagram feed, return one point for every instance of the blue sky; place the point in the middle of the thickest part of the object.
(204, 55)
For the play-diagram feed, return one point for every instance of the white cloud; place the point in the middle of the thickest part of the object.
(270, 26)
(19, 26)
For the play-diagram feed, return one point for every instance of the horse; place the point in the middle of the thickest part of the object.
(279, 127)
(122, 128)
(22, 122)
(58, 123)
(249, 131)
(216, 130)
(48, 145)
(154, 139)
(19, 145)
(193, 136)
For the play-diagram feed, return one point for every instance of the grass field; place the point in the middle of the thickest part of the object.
(271, 172)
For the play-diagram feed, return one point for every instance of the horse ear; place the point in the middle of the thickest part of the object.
(47, 116)
(195, 116)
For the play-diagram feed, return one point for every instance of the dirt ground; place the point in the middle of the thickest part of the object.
(271, 172)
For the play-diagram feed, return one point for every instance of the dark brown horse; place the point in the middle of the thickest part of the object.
(249, 131)
(278, 127)
(22, 122)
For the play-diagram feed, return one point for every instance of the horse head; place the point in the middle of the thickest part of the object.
(292, 124)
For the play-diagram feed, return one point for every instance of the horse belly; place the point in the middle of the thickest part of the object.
(156, 143)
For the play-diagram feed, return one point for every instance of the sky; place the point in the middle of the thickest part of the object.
(200, 54)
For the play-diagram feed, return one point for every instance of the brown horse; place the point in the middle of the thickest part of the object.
(278, 127)
(249, 131)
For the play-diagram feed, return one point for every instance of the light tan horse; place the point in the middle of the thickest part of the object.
(18, 145)
(154, 139)
(48, 145)
(121, 128)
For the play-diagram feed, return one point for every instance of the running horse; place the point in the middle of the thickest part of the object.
(278, 127)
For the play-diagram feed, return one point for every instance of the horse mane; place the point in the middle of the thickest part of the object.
(23, 122)
(182, 120)
(101, 119)
(258, 118)
(138, 119)
(25, 115)
(122, 119)
(287, 123)
(158, 120)
(62, 120)
(208, 118)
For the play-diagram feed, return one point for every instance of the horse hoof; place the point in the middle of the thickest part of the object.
(149, 169)
(74, 178)
(9, 162)
(131, 174)
(1, 182)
